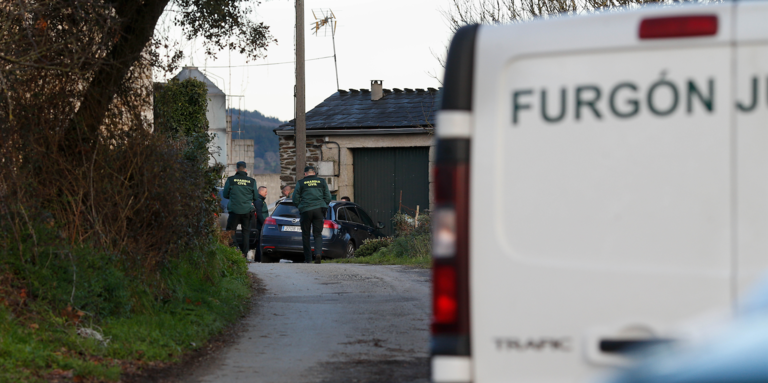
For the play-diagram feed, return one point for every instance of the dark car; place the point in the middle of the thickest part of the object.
(224, 215)
(345, 228)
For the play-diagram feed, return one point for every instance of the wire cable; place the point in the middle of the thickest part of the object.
(280, 63)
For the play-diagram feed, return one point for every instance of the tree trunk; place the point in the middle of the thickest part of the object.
(137, 26)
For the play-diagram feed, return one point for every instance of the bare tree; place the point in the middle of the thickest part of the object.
(466, 12)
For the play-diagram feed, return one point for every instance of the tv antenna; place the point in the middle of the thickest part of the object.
(326, 21)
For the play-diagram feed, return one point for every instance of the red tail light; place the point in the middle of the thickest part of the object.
(679, 26)
(450, 249)
(270, 221)
(445, 303)
(328, 224)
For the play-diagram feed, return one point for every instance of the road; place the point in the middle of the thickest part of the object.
(331, 323)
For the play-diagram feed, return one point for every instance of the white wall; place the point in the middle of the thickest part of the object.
(217, 125)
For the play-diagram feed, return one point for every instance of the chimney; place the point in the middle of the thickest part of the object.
(377, 91)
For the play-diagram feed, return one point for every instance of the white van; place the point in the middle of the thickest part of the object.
(598, 178)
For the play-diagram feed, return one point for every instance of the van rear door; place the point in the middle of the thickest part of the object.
(751, 116)
(602, 197)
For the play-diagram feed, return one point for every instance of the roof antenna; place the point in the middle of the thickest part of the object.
(328, 20)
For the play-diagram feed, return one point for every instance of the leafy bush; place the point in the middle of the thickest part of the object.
(412, 246)
(405, 225)
(139, 198)
(410, 241)
(371, 246)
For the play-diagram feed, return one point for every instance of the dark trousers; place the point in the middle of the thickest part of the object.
(244, 220)
(312, 220)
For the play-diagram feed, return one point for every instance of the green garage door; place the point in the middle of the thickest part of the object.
(382, 174)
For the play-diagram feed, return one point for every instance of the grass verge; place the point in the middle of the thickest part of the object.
(413, 249)
(386, 259)
(45, 336)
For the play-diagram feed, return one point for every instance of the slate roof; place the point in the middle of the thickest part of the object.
(354, 109)
(190, 71)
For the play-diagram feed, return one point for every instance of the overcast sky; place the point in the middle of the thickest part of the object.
(387, 40)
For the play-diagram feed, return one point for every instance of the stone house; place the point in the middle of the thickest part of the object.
(374, 145)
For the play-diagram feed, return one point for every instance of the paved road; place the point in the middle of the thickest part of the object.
(331, 323)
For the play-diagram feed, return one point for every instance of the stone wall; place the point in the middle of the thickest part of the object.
(288, 158)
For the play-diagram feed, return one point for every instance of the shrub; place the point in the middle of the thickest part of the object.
(371, 246)
(405, 225)
(414, 246)
(138, 198)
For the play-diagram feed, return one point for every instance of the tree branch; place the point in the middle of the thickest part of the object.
(136, 30)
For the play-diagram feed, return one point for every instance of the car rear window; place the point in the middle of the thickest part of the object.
(352, 215)
(366, 219)
(341, 215)
(287, 210)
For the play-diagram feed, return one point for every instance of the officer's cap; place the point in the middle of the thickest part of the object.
(241, 164)
(309, 168)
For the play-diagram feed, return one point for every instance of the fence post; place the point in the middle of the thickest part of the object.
(417, 216)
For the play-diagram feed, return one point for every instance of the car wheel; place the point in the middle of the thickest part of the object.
(267, 258)
(350, 253)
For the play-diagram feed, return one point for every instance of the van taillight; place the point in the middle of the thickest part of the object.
(678, 26)
(445, 304)
(450, 249)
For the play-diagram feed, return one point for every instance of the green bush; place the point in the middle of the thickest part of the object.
(411, 240)
(371, 246)
(412, 246)
(405, 225)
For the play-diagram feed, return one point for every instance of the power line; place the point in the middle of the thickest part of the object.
(280, 63)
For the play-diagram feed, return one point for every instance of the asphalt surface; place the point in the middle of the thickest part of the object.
(331, 323)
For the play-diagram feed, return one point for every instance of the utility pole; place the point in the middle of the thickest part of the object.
(301, 121)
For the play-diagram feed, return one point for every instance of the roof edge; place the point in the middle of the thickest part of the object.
(342, 132)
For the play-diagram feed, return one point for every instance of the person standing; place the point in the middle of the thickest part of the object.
(312, 196)
(262, 212)
(241, 192)
(285, 193)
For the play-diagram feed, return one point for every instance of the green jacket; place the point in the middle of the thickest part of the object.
(311, 193)
(241, 192)
(261, 205)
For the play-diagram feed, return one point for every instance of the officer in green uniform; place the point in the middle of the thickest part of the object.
(262, 212)
(241, 192)
(312, 196)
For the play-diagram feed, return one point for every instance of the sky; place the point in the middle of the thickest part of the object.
(389, 40)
